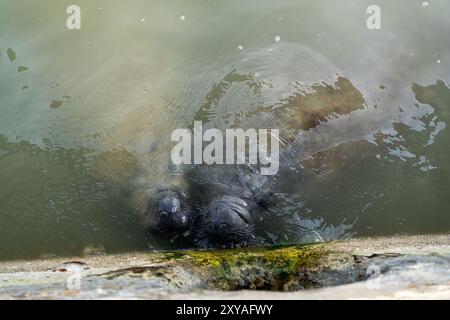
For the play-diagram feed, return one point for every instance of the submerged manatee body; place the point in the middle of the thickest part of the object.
(232, 205)
(325, 126)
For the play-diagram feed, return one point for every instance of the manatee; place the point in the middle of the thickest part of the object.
(325, 124)
(326, 127)
(218, 207)
(225, 205)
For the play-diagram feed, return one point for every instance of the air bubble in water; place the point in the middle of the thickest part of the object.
(425, 4)
(240, 47)
(277, 39)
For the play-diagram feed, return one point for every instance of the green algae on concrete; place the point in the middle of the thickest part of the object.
(267, 268)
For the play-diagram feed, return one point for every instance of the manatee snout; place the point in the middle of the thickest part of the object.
(228, 222)
(168, 212)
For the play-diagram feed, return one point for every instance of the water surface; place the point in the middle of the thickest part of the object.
(86, 116)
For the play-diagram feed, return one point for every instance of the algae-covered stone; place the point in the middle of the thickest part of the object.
(282, 268)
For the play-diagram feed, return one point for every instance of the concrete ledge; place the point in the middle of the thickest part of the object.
(401, 267)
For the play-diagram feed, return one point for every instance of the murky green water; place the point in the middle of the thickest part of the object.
(86, 116)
